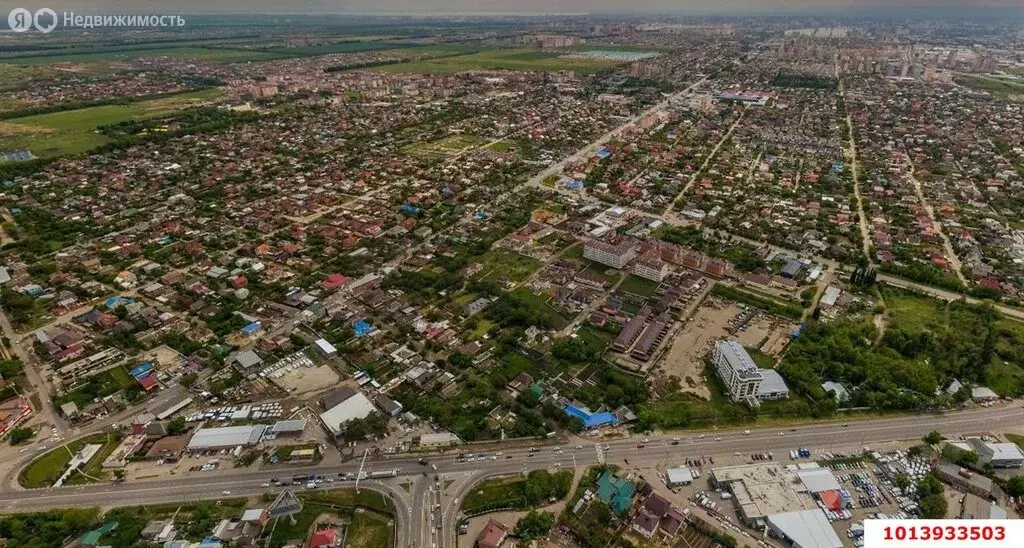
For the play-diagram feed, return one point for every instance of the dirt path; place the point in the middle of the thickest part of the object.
(854, 169)
(954, 261)
(707, 160)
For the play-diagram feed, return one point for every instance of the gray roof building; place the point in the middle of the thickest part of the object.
(229, 436)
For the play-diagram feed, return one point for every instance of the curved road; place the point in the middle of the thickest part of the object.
(411, 521)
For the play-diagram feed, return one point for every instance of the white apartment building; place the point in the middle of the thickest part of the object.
(616, 253)
(742, 378)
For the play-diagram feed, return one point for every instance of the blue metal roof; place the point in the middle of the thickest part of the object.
(590, 419)
(363, 328)
(117, 301)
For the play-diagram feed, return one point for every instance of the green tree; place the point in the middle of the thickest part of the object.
(188, 379)
(902, 481)
(959, 456)
(18, 435)
(375, 425)
(1014, 486)
(933, 437)
(10, 368)
(933, 507)
(176, 426)
(534, 525)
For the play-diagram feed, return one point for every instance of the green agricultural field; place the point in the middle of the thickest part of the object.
(210, 55)
(74, 131)
(500, 60)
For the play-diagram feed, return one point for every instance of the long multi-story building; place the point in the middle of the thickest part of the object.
(615, 253)
(651, 266)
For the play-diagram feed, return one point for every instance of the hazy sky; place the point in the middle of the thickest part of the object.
(481, 6)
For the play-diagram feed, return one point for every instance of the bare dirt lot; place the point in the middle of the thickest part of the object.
(304, 380)
(693, 341)
(769, 334)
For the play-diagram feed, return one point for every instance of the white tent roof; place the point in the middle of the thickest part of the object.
(818, 480)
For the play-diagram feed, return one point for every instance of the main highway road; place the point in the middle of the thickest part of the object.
(411, 520)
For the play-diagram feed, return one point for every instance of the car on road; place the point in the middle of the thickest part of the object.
(265, 484)
(845, 424)
(225, 492)
(718, 439)
(746, 432)
(781, 434)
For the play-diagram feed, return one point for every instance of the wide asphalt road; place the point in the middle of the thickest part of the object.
(410, 526)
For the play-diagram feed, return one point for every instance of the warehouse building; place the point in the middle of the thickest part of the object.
(226, 437)
(1000, 455)
(804, 529)
(343, 405)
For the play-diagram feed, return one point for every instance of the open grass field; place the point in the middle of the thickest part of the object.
(592, 46)
(444, 148)
(13, 76)
(93, 471)
(365, 529)
(639, 286)
(500, 60)
(1015, 438)
(499, 264)
(516, 491)
(996, 86)
(99, 385)
(73, 131)
(914, 313)
(540, 304)
(48, 468)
